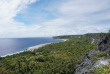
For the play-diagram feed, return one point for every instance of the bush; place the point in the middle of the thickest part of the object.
(42, 59)
(104, 69)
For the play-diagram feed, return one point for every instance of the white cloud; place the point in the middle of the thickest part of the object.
(8, 10)
(76, 7)
(83, 16)
(72, 17)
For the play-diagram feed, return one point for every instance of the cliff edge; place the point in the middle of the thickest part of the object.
(102, 50)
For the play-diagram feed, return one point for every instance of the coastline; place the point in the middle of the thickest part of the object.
(36, 47)
(42, 45)
(33, 48)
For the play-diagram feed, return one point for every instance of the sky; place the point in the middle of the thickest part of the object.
(46, 18)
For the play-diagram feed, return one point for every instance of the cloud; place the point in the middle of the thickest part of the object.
(8, 10)
(76, 7)
(70, 17)
(84, 16)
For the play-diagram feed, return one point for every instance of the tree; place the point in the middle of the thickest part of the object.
(0, 57)
(109, 31)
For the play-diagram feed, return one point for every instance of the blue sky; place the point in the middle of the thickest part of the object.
(35, 13)
(44, 18)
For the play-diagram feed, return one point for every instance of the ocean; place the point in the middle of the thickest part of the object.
(13, 45)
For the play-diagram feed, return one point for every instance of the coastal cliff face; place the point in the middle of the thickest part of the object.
(94, 38)
(104, 45)
(87, 63)
(103, 41)
(68, 36)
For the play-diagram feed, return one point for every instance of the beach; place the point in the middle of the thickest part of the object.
(41, 45)
(33, 48)
(36, 47)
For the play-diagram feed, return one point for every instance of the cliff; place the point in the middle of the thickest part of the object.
(95, 37)
(103, 42)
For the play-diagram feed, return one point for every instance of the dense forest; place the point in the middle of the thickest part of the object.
(55, 58)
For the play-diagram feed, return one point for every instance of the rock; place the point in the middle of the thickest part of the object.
(101, 62)
(86, 64)
(94, 38)
(104, 45)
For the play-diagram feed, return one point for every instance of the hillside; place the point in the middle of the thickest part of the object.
(51, 59)
(77, 55)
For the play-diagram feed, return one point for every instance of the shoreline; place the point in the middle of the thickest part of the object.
(42, 45)
(32, 48)
(36, 47)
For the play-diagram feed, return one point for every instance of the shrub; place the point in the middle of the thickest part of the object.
(104, 69)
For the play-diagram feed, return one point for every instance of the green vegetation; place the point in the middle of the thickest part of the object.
(99, 56)
(104, 69)
(109, 31)
(68, 36)
(55, 58)
(96, 34)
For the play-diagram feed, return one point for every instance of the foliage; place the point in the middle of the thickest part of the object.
(96, 34)
(104, 69)
(55, 58)
(68, 36)
(99, 56)
(109, 31)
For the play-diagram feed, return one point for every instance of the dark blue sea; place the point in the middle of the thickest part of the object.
(14, 45)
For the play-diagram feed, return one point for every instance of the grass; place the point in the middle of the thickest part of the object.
(104, 69)
(55, 58)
